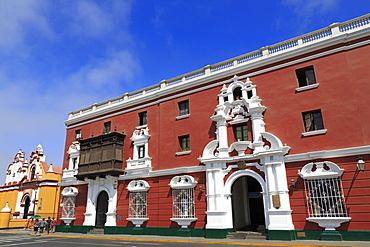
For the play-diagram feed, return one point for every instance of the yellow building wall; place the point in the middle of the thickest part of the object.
(19, 223)
(47, 205)
(51, 176)
(10, 197)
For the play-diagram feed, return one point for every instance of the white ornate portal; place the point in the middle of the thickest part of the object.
(239, 104)
(95, 186)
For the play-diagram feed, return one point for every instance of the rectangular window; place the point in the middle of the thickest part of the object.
(305, 76)
(313, 120)
(107, 127)
(141, 151)
(142, 118)
(183, 203)
(184, 143)
(241, 133)
(137, 204)
(78, 134)
(184, 107)
(74, 163)
(325, 198)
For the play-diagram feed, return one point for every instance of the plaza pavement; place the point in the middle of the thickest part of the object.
(241, 242)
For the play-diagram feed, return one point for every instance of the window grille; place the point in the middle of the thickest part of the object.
(137, 204)
(68, 210)
(183, 203)
(325, 198)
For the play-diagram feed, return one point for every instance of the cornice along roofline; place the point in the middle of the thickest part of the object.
(335, 34)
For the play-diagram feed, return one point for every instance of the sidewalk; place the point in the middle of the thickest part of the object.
(241, 242)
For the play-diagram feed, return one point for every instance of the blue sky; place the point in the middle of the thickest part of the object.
(58, 56)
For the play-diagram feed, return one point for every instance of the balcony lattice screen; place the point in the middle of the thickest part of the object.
(183, 203)
(68, 210)
(325, 198)
(137, 204)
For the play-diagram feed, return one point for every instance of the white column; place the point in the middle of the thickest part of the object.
(258, 125)
(223, 146)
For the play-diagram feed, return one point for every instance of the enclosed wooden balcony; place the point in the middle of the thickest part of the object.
(101, 156)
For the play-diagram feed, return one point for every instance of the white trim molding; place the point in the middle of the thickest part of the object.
(308, 87)
(278, 53)
(320, 172)
(182, 116)
(184, 222)
(137, 221)
(314, 132)
(183, 182)
(138, 186)
(325, 154)
(329, 223)
(183, 153)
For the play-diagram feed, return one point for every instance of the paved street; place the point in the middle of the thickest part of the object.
(22, 238)
(8, 239)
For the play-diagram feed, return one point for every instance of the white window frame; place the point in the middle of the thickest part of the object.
(325, 201)
(69, 204)
(141, 162)
(183, 200)
(183, 112)
(138, 202)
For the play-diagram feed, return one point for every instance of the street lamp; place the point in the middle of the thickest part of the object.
(360, 164)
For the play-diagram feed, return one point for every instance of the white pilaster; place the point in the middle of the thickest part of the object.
(90, 207)
(279, 215)
(216, 197)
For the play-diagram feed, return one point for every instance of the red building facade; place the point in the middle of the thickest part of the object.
(272, 139)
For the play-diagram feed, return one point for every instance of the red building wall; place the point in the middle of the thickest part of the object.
(159, 202)
(341, 96)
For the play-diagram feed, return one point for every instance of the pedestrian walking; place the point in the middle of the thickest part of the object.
(36, 226)
(29, 224)
(42, 225)
(53, 224)
(48, 224)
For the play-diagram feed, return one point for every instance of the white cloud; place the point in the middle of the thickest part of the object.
(91, 19)
(304, 7)
(305, 11)
(33, 114)
(107, 74)
(36, 95)
(19, 18)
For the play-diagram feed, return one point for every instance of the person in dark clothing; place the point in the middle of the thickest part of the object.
(48, 222)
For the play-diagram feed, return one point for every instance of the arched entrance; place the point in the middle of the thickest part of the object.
(101, 209)
(27, 202)
(247, 204)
